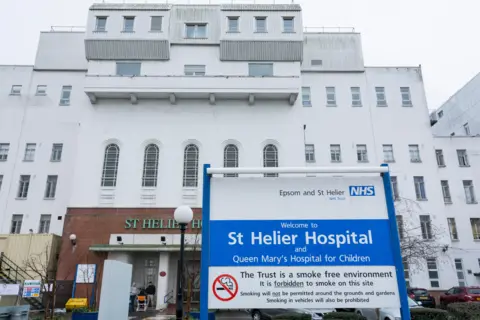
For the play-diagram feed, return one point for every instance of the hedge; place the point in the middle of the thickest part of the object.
(428, 314)
(343, 316)
(465, 311)
(293, 316)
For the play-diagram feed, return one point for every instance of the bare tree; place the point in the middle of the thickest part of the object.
(192, 269)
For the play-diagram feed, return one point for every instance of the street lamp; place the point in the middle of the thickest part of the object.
(183, 215)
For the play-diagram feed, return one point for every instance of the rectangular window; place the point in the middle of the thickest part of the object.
(261, 24)
(414, 153)
(128, 68)
(156, 23)
(462, 158)
(194, 70)
(381, 97)
(260, 69)
(466, 127)
(420, 192)
(196, 31)
(51, 187)
(406, 99)
(440, 158)
(23, 185)
(16, 223)
(447, 197)
(57, 150)
(4, 148)
(406, 271)
(44, 226)
(16, 90)
(233, 24)
(362, 155)
(400, 227)
(469, 192)
(426, 227)
(288, 24)
(433, 272)
(316, 62)
(460, 273)
(331, 99)
(306, 98)
(41, 90)
(30, 152)
(335, 153)
(452, 227)
(356, 97)
(396, 194)
(388, 153)
(475, 223)
(1, 181)
(101, 24)
(128, 23)
(310, 153)
(65, 95)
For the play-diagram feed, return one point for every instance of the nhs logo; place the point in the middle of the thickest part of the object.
(362, 191)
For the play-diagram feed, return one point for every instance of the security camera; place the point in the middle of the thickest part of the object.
(73, 239)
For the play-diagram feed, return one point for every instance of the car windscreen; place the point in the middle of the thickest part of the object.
(419, 292)
(473, 290)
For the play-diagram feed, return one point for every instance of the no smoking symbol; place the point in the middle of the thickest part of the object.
(225, 287)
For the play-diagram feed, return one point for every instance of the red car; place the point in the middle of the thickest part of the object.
(460, 294)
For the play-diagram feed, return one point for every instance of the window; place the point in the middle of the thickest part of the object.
(335, 153)
(101, 24)
(65, 95)
(57, 149)
(110, 166)
(288, 24)
(310, 153)
(194, 70)
(469, 192)
(447, 198)
(16, 223)
(196, 31)
(396, 194)
(128, 23)
(4, 148)
(440, 114)
(16, 90)
(41, 90)
(44, 226)
(400, 227)
(306, 97)
(475, 223)
(23, 185)
(406, 271)
(270, 159)
(1, 181)
(419, 188)
(356, 97)
(30, 152)
(230, 159)
(406, 99)
(433, 272)
(381, 97)
(414, 153)
(190, 166)
(452, 227)
(460, 273)
(51, 187)
(362, 155)
(233, 24)
(426, 227)
(260, 69)
(261, 24)
(128, 68)
(466, 127)
(440, 158)
(316, 62)
(462, 158)
(150, 166)
(156, 23)
(388, 153)
(331, 99)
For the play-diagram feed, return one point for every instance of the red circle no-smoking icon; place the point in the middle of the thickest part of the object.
(225, 287)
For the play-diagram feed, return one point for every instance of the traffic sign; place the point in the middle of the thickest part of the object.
(225, 287)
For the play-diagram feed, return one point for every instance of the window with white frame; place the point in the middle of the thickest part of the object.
(406, 98)
(4, 148)
(460, 273)
(462, 158)
(230, 159)
(306, 97)
(128, 24)
(110, 166)
(331, 98)
(41, 90)
(452, 228)
(362, 155)
(270, 159)
(196, 30)
(447, 197)
(194, 70)
(288, 24)
(406, 271)
(1, 181)
(475, 224)
(16, 90)
(388, 153)
(381, 97)
(156, 23)
(395, 192)
(400, 227)
(101, 24)
(433, 272)
(16, 225)
(57, 149)
(190, 166)
(150, 166)
(128, 68)
(469, 192)
(426, 227)
(310, 153)
(420, 191)
(23, 185)
(356, 97)
(414, 151)
(65, 95)
(51, 187)
(466, 127)
(30, 152)
(233, 24)
(261, 24)
(440, 158)
(335, 153)
(260, 69)
(44, 225)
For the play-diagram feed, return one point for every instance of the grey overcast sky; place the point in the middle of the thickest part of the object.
(441, 35)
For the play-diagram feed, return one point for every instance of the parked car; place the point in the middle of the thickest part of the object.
(268, 314)
(422, 295)
(385, 313)
(460, 294)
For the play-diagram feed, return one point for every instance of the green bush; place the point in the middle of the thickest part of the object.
(343, 316)
(293, 316)
(465, 311)
(428, 314)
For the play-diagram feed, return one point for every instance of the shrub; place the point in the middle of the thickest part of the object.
(293, 316)
(428, 314)
(343, 316)
(465, 311)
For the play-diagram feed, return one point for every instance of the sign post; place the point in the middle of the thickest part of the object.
(300, 242)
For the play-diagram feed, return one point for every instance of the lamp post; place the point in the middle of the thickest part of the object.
(183, 215)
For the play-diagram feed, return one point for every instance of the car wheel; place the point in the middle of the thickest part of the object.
(256, 315)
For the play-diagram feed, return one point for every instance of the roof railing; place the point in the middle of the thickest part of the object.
(67, 29)
(329, 29)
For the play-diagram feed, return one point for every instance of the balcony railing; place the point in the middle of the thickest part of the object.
(67, 29)
(329, 29)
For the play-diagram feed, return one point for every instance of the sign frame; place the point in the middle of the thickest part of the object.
(384, 172)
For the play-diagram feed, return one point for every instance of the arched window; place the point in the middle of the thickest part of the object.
(230, 159)
(190, 166)
(110, 166)
(150, 166)
(270, 159)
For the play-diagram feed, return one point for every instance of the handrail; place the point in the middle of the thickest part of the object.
(4, 260)
(329, 29)
(67, 28)
(168, 296)
(183, 76)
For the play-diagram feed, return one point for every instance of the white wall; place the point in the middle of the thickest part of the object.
(71, 55)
